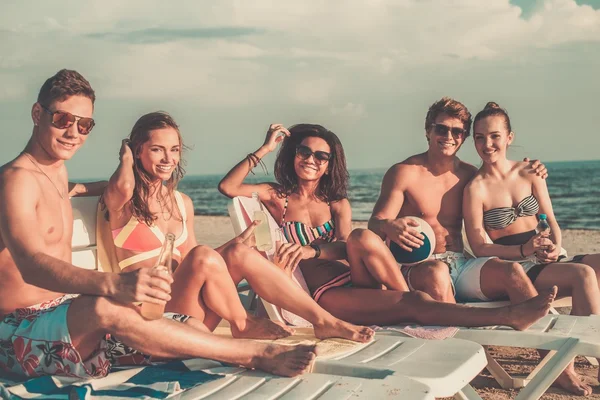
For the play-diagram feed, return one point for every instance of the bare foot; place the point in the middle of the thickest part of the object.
(571, 382)
(345, 330)
(260, 328)
(523, 315)
(286, 360)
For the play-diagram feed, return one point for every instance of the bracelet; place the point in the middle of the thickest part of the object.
(521, 250)
(253, 160)
(317, 250)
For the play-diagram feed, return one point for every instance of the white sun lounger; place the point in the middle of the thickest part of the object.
(330, 379)
(446, 366)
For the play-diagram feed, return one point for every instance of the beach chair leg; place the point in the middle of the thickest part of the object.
(550, 371)
(553, 311)
(500, 375)
(467, 393)
(536, 370)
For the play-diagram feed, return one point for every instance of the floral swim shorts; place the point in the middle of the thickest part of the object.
(35, 341)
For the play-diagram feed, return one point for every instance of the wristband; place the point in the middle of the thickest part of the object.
(521, 250)
(317, 250)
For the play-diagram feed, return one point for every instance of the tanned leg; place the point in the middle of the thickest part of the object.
(506, 278)
(89, 318)
(371, 262)
(433, 278)
(272, 284)
(203, 289)
(389, 307)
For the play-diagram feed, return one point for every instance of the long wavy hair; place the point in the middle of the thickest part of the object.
(140, 134)
(332, 186)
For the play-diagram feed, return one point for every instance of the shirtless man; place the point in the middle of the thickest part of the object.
(430, 186)
(36, 271)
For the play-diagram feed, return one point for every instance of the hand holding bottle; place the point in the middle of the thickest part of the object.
(152, 310)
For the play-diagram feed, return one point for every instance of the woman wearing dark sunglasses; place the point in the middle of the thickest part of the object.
(310, 202)
(144, 205)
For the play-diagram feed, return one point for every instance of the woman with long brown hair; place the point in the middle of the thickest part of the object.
(143, 206)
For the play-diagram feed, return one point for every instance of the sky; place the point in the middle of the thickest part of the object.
(366, 69)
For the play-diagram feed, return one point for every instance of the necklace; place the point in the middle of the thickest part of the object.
(35, 164)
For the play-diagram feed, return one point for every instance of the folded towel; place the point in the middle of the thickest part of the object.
(421, 332)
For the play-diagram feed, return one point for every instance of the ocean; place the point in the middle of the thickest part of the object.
(574, 189)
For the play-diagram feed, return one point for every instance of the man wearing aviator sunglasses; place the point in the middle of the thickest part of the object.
(64, 120)
(35, 263)
(430, 186)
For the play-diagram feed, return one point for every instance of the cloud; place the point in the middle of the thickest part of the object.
(231, 52)
(349, 110)
(161, 35)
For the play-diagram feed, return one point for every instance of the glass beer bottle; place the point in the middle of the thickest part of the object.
(163, 264)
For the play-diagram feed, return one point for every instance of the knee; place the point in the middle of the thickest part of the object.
(205, 260)
(105, 313)
(235, 253)
(584, 274)
(513, 272)
(417, 297)
(363, 238)
(439, 275)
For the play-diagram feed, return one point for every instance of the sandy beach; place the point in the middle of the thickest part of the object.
(216, 230)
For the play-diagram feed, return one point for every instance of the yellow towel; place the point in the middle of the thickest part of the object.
(107, 256)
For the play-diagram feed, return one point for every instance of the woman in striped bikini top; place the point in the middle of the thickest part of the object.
(309, 198)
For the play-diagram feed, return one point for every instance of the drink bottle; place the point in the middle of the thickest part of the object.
(543, 227)
(163, 264)
(262, 232)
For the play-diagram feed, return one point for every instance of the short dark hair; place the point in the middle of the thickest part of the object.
(332, 186)
(65, 83)
(451, 107)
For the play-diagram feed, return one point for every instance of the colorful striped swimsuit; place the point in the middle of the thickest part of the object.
(297, 232)
(303, 234)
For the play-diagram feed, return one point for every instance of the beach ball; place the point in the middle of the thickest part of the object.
(417, 254)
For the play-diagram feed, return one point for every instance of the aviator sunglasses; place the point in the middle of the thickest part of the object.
(442, 130)
(305, 152)
(64, 120)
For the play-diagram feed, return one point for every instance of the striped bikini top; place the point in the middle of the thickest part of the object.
(501, 217)
(297, 232)
(146, 240)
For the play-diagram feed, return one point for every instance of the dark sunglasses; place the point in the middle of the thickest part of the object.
(442, 130)
(64, 120)
(305, 152)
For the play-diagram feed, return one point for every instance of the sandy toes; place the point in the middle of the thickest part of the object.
(344, 330)
(572, 383)
(523, 315)
(261, 328)
(286, 360)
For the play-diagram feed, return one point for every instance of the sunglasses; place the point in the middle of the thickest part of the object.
(305, 152)
(442, 130)
(64, 120)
